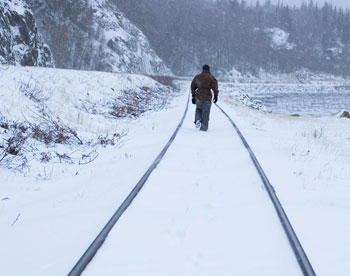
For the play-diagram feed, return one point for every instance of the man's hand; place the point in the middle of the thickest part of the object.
(215, 99)
(193, 99)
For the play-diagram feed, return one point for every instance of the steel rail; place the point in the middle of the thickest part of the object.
(89, 254)
(299, 252)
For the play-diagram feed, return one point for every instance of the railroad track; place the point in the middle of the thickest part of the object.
(300, 255)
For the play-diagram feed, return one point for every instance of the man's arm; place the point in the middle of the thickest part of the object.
(214, 86)
(194, 87)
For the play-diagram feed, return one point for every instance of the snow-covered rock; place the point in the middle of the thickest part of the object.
(345, 114)
(20, 42)
(279, 39)
(128, 47)
(336, 51)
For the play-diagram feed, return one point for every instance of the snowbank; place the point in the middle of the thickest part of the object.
(46, 108)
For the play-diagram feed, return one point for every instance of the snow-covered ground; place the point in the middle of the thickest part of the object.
(307, 161)
(203, 211)
(203, 196)
(47, 222)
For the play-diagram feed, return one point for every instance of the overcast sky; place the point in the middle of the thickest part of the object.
(338, 3)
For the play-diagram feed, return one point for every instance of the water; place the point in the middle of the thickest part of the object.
(313, 100)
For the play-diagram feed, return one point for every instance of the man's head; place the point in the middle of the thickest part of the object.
(206, 68)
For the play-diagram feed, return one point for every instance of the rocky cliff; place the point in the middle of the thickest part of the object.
(20, 41)
(94, 35)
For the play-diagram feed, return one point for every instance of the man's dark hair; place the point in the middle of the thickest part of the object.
(206, 67)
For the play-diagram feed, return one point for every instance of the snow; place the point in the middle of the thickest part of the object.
(15, 31)
(65, 211)
(204, 210)
(19, 50)
(334, 52)
(60, 216)
(128, 48)
(234, 74)
(86, 96)
(16, 6)
(279, 39)
(306, 160)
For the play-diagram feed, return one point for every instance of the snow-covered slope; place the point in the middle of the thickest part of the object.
(128, 49)
(45, 112)
(95, 35)
(20, 42)
(56, 199)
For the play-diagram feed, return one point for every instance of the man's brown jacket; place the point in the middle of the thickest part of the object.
(202, 85)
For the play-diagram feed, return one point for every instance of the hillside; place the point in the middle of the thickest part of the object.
(95, 35)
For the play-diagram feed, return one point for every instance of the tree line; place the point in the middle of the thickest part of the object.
(227, 33)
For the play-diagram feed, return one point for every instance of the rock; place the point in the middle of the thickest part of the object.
(345, 114)
(20, 42)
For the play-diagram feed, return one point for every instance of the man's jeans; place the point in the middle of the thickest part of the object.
(202, 113)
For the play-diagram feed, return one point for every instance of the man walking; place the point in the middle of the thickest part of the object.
(201, 89)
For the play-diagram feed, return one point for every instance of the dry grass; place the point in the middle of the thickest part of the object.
(32, 90)
(132, 104)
